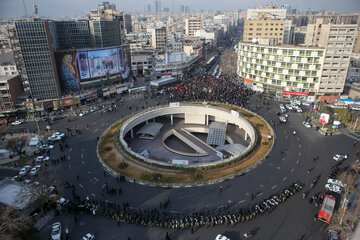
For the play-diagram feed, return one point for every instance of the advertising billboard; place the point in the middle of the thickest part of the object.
(324, 118)
(78, 67)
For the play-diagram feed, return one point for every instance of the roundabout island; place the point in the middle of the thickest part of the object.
(185, 144)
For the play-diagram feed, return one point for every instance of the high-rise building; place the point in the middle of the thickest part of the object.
(182, 8)
(37, 49)
(222, 19)
(149, 8)
(105, 33)
(264, 27)
(72, 35)
(159, 39)
(157, 6)
(10, 89)
(127, 23)
(192, 25)
(338, 39)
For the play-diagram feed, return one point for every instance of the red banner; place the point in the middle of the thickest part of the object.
(295, 93)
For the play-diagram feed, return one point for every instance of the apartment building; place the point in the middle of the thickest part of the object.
(275, 13)
(192, 25)
(159, 39)
(10, 88)
(264, 27)
(283, 70)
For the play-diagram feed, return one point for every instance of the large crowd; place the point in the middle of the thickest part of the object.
(210, 89)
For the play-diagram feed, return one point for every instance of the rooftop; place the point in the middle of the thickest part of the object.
(11, 192)
(6, 78)
(285, 46)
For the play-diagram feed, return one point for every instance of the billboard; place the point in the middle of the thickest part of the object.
(324, 118)
(77, 67)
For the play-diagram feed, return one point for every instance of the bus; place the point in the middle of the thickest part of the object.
(327, 209)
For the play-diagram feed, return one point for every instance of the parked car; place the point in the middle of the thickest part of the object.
(335, 182)
(59, 134)
(339, 157)
(41, 159)
(56, 231)
(16, 123)
(94, 109)
(47, 147)
(288, 106)
(54, 138)
(84, 113)
(34, 171)
(307, 125)
(283, 119)
(88, 236)
(333, 188)
(24, 170)
(221, 237)
(26, 181)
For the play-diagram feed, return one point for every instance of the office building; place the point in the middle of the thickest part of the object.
(157, 6)
(192, 25)
(72, 35)
(281, 70)
(127, 23)
(10, 88)
(338, 39)
(222, 20)
(159, 39)
(105, 33)
(37, 50)
(264, 27)
(272, 11)
(148, 8)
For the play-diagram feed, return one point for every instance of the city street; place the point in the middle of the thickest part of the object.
(288, 162)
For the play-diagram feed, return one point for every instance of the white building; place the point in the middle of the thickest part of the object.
(192, 25)
(222, 19)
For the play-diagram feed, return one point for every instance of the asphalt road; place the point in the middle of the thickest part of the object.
(290, 220)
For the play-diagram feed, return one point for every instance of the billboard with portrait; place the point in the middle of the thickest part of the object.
(324, 118)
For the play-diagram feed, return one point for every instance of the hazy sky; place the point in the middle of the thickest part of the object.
(76, 8)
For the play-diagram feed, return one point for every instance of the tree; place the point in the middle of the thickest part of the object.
(16, 144)
(12, 224)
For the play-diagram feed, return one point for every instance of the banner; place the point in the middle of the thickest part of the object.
(295, 93)
(324, 118)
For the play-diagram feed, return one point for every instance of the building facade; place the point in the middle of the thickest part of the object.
(282, 69)
(10, 88)
(192, 25)
(159, 39)
(275, 13)
(264, 27)
(72, 35)
(37, 50)
(105, 33)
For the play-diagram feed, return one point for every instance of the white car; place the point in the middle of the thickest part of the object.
(333, 188)
(41, 159)
(59, 134)
(34, 171)
(288, 106)
(16, 123)
(26, 181)
(283, 119)
(47, 147)
(24, 170)
(299, 110)
(56, 231)
(54, 138)
(88, 236)
(339, 157)
(307, 125)
(221, 237)
(335, 182)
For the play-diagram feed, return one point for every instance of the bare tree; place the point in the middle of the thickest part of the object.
(11, 223)
(16, 144)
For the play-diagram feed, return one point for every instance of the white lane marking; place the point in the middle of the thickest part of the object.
(241, 201)
(69, 157)
(273, 186)
(299, 145)
(284, 132)
(96, 179)
(292, 170)
(351, 136)
(259, 194)
(81, 186)
(82, 149)
(92, 194)
(284, 178)
(278, 168)
(82, 155)
(286, 136)
(299, 153)
(83, 162)
(283, 159)
(261, 185)
(69, 166)
(298, 139)
(89, 172)
(70, 149)
(297, 162)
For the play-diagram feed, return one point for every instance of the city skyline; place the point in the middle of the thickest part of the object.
(70, 9)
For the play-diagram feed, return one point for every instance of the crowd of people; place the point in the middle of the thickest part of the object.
(210, 89)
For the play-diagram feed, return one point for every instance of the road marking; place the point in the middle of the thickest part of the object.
(96, 179)
(70, 149)
(284, 178)
(278, 168)
(299, 145)
(297, 162)
(82, 155)
(284, 132)
(92, 194)
(69, 157)
(286, 136)
(96, 130)
(261, 185)
(292, 170)
(88, 172)
(259, 194)
(81, 186)
(283, 159)
(83, 162)
(273, 186)
(82, 149)
(241, 201)
(69, 166)
(299, 153)
(351, 136)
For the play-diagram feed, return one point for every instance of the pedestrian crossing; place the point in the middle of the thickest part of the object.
(353, 135)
